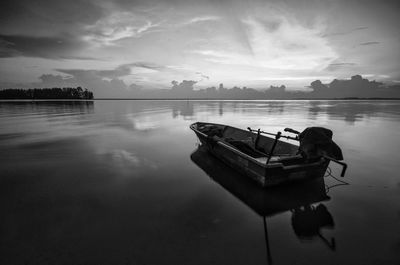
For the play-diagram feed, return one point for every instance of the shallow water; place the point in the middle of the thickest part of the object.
(123, 182)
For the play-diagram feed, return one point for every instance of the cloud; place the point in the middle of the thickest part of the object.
(64, 47)
(186, 86)
(246, 40)
(46, 81)
(339, 65)
(47, 17)
(342, 33)
(201, 19)
(103, 74)
(112, 82)
(119, 71)
(276, 43)
(104, 83)
(360, 28)
(50, 29)
(202, 76)
(6, 49)
(119, 25)
(102, 88)
(143, 74)
(355, 87)
(369, 43)
(148, 65)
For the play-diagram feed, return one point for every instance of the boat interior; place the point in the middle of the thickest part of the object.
(256, 146)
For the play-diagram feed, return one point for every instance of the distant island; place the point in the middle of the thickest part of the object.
(355, 87)
(47, 93)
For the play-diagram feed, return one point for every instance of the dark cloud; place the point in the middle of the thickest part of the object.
(114, 73)
(85, 78)
(120, 71)
(183, 88)
(360, 28)
(104, 83)
(6, 49)
(147, 65)
(336, 66)
(202, 76)
(369, 43)
(64, 47)
(46, 28)
(342, 64)
(346, 32)
(80, 72)
(46, 81)
(47, 17)
(271, 25)
(354, 87)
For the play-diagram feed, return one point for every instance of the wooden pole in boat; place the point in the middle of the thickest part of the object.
(273, 134)
(257, 139)
(278, 135)
(269, 256)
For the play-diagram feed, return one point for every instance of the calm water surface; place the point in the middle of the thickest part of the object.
(123, 182)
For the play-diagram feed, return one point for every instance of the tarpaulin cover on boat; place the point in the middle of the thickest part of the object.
(317, 141)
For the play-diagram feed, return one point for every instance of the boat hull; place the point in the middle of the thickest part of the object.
(265, 203)
(264, 174)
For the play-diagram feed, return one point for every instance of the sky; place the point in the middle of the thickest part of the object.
(148, 44)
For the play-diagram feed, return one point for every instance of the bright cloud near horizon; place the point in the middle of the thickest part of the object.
(253, 43)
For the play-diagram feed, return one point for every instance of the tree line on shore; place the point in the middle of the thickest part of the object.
(47, 93)
(355, 87)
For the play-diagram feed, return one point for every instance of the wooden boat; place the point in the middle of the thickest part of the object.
(265, 202)
(268, 161)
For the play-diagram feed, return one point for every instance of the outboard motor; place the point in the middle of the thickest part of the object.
(316, 142)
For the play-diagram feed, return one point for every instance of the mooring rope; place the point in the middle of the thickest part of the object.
(328, 173)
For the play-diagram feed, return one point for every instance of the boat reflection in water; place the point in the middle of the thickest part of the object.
(300, 198)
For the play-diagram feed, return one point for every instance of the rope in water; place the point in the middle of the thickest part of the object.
(329, 174)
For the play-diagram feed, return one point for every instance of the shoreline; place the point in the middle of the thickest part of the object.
(199, 99)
